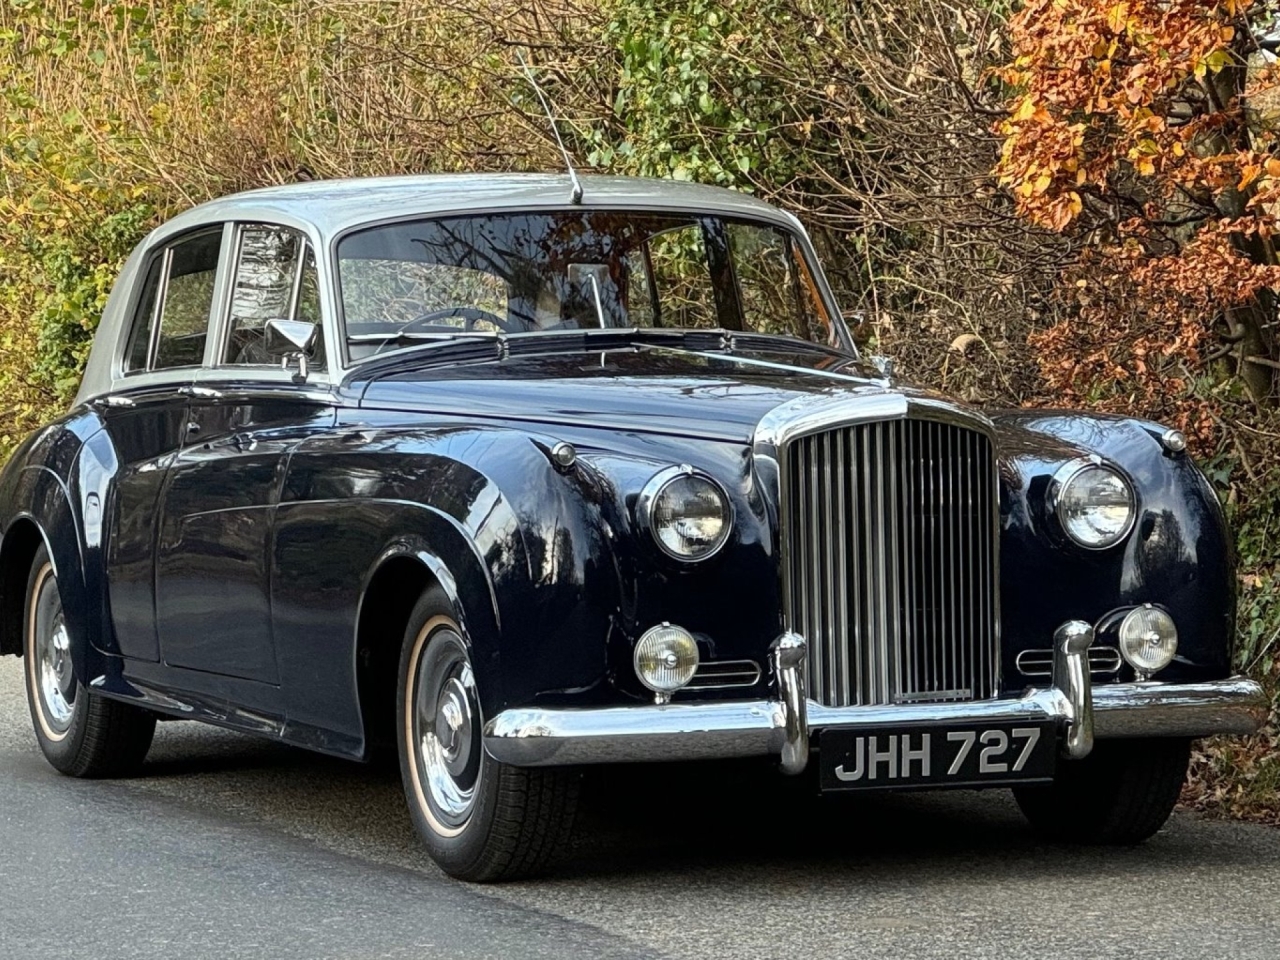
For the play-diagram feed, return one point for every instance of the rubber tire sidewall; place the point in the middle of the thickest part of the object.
(1121, 794)
(458, 855)
(64, 753)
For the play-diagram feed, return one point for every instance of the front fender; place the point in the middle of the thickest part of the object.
(1179, 554)
(521, 542)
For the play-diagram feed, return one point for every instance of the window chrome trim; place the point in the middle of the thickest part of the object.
(223, 294)
(157, 314)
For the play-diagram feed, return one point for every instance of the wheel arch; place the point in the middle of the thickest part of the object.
(22, 541)
(401, 575)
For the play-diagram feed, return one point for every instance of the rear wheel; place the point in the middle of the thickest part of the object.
(480, 820)
(81, 732)
(1120, 794)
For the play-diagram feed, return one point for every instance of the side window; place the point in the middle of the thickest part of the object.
(135, 358)
(275, 281)
(177, 293)
(188, 299)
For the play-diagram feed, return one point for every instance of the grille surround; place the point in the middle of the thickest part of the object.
(890, 624)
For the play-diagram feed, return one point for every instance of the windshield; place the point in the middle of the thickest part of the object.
(582, 269)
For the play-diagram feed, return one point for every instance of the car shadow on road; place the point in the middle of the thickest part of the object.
(736, 819)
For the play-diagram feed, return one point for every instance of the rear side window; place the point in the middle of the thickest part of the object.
(171, 325)
(188, 301)
(144, 320)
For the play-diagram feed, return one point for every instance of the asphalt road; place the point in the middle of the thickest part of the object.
(228, 847)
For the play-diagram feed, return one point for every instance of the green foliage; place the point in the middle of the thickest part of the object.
(1257, 530)
(699, 94)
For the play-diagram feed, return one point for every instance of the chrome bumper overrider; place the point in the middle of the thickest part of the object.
(698, 731)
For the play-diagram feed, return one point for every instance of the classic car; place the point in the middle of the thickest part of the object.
(513, 474)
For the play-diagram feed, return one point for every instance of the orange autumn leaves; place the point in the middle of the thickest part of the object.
(1096, 88)
(1123, 131)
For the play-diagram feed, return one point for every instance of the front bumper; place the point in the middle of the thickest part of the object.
(698, 731)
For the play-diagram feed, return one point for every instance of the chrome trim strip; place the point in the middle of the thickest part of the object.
(723, 674)
(1038, 661)
(699, 731)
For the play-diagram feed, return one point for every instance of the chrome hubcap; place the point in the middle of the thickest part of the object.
(446, 729)
(56, 680)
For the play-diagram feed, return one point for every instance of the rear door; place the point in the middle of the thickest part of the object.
(247, 411)
(146, 418)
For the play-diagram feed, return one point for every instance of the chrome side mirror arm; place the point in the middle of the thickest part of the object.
(303, 367)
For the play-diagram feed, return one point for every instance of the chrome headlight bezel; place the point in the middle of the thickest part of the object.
(1074, 472)
(653, 491)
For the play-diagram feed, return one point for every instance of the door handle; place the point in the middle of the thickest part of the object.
(207, 393)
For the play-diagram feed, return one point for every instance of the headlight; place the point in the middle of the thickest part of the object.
(1095, 505)
(687, 513)
(1148, 639)
(666, 658)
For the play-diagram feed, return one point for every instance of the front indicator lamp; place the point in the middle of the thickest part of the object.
(666, 658)
(1148, 640)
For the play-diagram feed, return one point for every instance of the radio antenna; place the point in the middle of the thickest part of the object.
(575, 194)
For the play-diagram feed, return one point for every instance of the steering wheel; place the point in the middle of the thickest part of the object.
(469, 315)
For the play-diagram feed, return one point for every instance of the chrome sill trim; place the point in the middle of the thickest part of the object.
(700, 731)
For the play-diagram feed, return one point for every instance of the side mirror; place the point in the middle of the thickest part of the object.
(279, 336)
(291, 340)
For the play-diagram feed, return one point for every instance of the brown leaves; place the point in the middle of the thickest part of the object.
(1105, 72)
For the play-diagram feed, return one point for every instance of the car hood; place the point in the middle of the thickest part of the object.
(682, 391)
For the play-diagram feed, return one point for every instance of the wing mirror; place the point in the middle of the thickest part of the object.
(291, 340)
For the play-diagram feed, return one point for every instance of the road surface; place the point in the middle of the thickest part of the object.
(230, 847)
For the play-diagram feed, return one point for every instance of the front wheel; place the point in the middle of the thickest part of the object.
(81, 732)
(1120, 794)
(480, 820)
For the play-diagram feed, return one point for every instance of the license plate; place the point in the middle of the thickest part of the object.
(918, 755)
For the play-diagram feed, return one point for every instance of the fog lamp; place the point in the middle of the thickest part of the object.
(665, 659)
(1148, 639)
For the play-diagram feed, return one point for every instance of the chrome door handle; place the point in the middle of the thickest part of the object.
(115, 400)
(208, 393)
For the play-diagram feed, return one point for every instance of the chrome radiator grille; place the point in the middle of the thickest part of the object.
(890, 533)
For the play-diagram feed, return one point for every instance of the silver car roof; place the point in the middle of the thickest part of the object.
(324, 209)
(332, 206)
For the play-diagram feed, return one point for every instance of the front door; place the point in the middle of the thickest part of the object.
(213, 570)
(213, 576)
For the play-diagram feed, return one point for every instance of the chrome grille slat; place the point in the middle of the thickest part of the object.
(890, 528)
